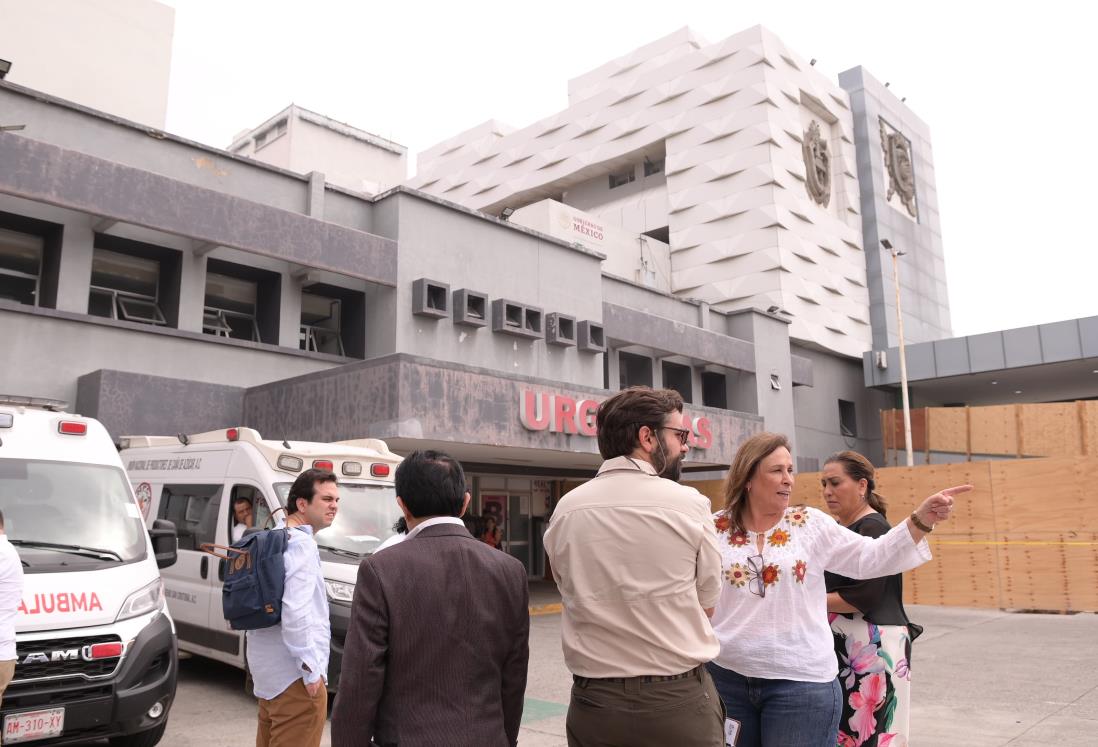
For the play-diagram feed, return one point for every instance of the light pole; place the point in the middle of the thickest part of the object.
(896, 253)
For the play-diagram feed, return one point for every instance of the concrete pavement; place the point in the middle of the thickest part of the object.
(980, 678)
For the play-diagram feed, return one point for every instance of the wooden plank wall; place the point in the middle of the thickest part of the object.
(1024, 430)
(1026, 536)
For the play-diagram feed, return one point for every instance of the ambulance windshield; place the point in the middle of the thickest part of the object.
(365, 518)
(66, 516)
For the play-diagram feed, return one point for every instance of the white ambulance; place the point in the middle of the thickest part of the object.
(196, 481)
(95, 645)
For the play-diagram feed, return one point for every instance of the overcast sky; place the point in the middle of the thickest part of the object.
(1007, 90)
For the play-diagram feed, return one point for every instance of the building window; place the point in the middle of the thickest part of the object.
(848, 419)
(623, 177)
(271, 134)
(634, 370)
(333, 320)
(679, 378)
(653, 166)
(242, 302)
(714, 389)
(20, 267)
(125, 287)
(193, 510)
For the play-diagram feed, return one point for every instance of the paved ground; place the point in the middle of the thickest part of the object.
(981, 678)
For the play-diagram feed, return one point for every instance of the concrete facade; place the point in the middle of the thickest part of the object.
(913, 229)
(112, 55)
(303, 141)
(438, 301)
(702, 146)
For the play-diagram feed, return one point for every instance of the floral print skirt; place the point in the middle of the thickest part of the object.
(876, 680)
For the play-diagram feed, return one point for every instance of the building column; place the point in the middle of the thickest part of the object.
(772, 390)
(289, 324)
(192, 291)
(75, 269)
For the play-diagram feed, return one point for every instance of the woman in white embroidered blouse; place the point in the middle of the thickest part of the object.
(776, 670)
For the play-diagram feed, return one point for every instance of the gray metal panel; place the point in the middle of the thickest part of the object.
(640, 328)
(985, 352)
(1022, 346)
(920, 362)
(951, 357)
(1060, 341)
(76, 181)
(1088, 331)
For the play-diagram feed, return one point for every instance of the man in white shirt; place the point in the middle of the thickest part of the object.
(289, 661)
(635, 557)
(242, 517)
(11, 594)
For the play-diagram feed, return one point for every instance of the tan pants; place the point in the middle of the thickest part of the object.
(7, 671)
(294, 718)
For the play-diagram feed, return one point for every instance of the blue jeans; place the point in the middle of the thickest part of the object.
(780, 713)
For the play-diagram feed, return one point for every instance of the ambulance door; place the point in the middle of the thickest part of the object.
(194, 508)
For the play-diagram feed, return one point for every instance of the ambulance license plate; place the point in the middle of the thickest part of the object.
(31, 725)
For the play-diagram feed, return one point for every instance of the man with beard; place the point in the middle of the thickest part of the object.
(635, 556)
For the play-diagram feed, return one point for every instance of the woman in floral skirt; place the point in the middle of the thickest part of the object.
(872, 632)
(776, 668)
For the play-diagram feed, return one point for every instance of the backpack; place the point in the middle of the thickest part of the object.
(255, 577)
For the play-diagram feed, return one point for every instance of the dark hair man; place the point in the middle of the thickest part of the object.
(289, 661)
(437, 644)
(636, 560)
(11, 596)
(242, 517)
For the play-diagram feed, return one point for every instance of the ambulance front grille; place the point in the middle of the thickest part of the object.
(54, 658)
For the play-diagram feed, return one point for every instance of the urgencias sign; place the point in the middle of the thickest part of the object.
(559, 413)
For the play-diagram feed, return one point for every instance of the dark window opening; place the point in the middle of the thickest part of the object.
(125, 287)
(714, 390)
(679, 378)
(20, 266)
(333, 320)
(653, 166)
(848, 419)
(436, 297)
(660, 234)
(512, 315)
(532, 320)
(242, 303)
(623, 177)
(634, 370)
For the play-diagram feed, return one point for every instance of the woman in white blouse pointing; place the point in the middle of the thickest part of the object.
(776, 670)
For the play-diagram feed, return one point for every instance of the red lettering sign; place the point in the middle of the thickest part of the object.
(45, 604)
(559, 413)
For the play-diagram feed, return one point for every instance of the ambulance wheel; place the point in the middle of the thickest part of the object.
(141, 739)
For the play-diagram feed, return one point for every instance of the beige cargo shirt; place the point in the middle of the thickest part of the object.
(636, 560)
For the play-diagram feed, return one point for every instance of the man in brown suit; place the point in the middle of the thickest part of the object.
(437, 644)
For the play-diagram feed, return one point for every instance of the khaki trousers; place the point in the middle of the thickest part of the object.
(7, 671)
(634, 713)
(294, 718)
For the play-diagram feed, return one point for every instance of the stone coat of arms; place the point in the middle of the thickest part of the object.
(817, 165)
(901, 174)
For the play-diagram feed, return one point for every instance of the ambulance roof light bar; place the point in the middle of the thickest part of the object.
(45, 403)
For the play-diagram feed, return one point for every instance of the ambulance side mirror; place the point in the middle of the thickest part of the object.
(164, 542)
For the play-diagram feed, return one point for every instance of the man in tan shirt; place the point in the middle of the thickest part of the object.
(635, 556)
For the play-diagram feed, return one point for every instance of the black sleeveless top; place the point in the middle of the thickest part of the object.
(880, 600)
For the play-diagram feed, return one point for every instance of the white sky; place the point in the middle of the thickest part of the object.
(1007, 89)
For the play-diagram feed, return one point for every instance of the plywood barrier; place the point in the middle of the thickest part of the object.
(1026, 536)
(1033, 430)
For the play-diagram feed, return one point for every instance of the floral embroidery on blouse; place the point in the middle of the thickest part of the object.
(771, 574)
(737, 538)
(722, 523)
(778, 538)
(736, 575)
(799, 570)
(797, 516)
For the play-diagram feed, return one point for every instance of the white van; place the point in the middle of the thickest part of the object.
(193, 481)
(95, 645)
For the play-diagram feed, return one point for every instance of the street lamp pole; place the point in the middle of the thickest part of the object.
(896, 253)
